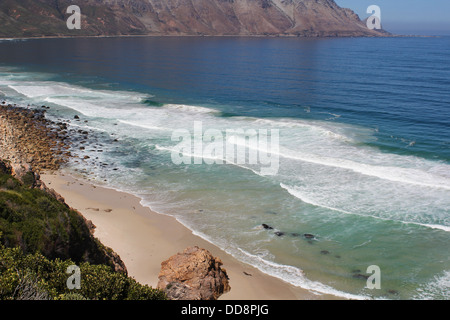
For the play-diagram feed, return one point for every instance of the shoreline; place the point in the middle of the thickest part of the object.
(143, 239)
(215, 36)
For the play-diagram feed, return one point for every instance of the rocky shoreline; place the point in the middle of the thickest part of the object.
(27, 138)
(30, 144)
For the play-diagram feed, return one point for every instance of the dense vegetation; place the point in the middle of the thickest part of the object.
(33, 276)
(35, 221)
(41, 236)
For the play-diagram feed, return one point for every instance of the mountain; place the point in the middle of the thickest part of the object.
(306, 18)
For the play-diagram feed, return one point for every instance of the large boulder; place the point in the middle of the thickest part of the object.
(193, 274)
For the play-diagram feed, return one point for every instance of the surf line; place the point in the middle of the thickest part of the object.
(235, 146)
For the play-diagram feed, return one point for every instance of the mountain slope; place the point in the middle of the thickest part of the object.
(29, 18)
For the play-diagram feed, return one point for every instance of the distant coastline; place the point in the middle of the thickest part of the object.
(209, 36)
(305, 18)
(214, 36)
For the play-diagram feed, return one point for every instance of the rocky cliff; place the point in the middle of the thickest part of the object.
(306, 18)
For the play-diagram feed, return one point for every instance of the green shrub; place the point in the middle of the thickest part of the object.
(33, 276)
(37, 222)
(28, 179)
(71, 296)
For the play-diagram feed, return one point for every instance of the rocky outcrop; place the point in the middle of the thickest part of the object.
(193, 274)
(27, 145)
(25, 174)
(305, 18)
(29, 141)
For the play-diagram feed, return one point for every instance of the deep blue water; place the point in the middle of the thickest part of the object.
(364, 136)
(398, 86)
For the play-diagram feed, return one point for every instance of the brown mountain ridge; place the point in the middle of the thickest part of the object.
(305, 18)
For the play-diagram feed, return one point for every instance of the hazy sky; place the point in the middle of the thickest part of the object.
(420, 17)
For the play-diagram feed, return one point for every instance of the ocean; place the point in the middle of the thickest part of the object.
(363, 154)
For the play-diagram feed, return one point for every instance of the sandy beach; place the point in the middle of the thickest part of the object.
(144, 239)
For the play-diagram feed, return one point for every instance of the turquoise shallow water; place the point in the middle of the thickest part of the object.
(364, 152)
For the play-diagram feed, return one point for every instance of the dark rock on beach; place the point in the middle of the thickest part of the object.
(267, 227)
(360, 276)
(393, 292)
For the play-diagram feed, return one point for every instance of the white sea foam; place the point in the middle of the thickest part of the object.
(190, 109)
(292, 275)
(296, 193)
(45, 90)
(391, 173)
(435, 226)
(194, 155)
(436, 289)
(11, 40)
(319, 128)
(145, 126)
